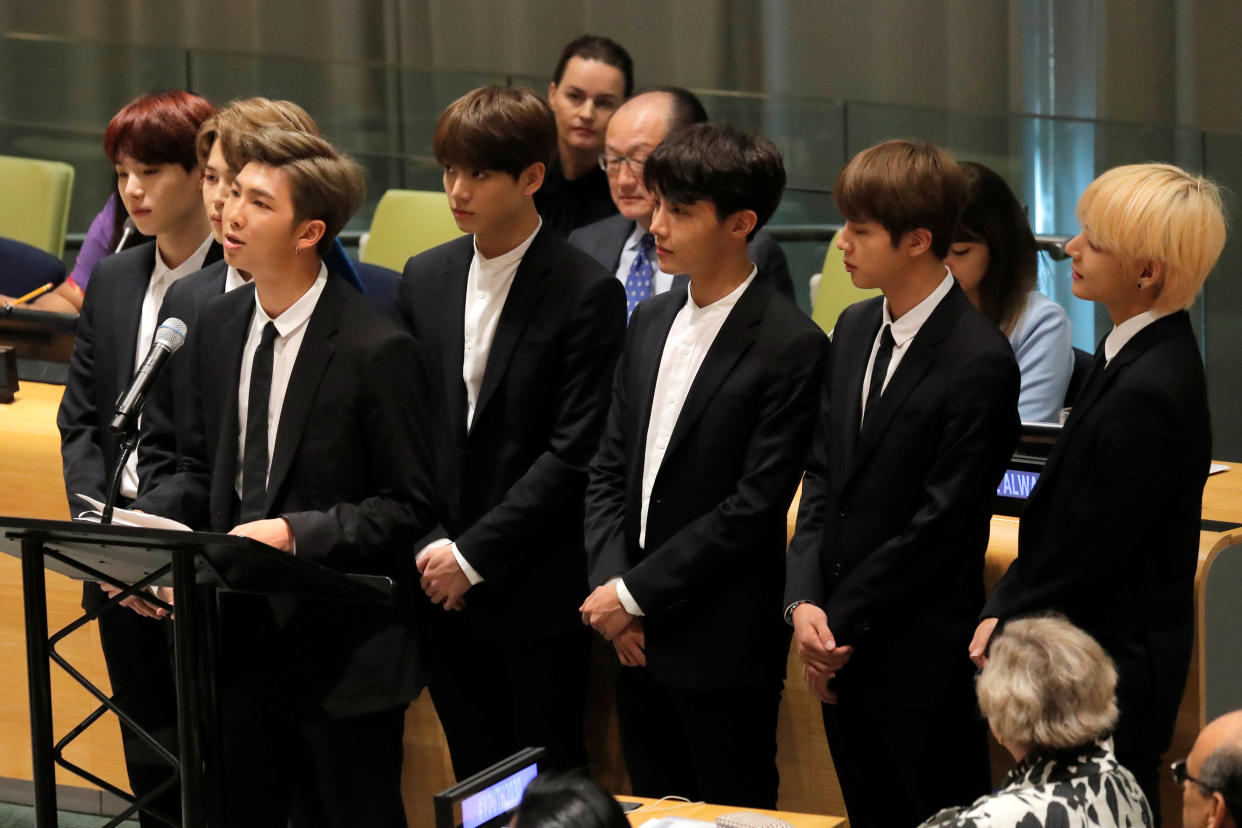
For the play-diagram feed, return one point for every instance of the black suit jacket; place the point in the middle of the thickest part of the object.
(893, 524)
(348, 473)
(605, 239)
(1110, 534)
(509, 492)
(100, 370)
(710, 578)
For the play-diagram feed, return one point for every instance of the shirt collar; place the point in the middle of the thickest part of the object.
(636, 237)
(162, 271)
(1123, 333)
(911, 321)
(296, 314)
(504, 260)
(724, 304)
(232, 279)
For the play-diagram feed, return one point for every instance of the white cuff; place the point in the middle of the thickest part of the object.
(627, 600)
(472, 574)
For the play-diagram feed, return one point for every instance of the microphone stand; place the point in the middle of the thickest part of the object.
(129, 439)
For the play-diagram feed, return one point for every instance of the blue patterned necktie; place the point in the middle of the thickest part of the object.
(638, 282)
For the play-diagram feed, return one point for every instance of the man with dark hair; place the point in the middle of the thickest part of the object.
(593, 76)
(309, 439)
(1211, 776)
(522, 332)
(623, 243)
(712, 409)
(919, 416)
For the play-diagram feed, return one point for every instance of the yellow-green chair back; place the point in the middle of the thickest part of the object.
(34, 202)
(836, 290)
(406, 223)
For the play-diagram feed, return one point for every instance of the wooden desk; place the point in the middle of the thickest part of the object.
(654, 809)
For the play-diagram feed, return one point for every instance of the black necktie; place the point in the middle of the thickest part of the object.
(254, 459)
(880, 369)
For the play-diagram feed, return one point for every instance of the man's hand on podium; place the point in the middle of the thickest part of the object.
(631, 645)
(273, 531)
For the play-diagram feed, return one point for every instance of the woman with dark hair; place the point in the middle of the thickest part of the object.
(593, 77)
(995, 261)
(567, 801)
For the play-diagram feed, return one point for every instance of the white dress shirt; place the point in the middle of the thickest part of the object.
(162, 278)
(232, 279)
(904, 331)
(661, 281)
(689, 339)
(1123, 333)
(487, 289)
(290, 329)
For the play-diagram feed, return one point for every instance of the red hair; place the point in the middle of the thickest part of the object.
(158, 129)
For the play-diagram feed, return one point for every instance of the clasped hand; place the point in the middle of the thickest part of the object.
(604, 611)
(443, 579)
(821, 657)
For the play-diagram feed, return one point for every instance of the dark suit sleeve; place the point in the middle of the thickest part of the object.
(1144, 434)
(360, 536)
(606, 487)
(595, 332)
(980, 428)
(775, 456)
(804, 579)
(78, 417)
(770, 258)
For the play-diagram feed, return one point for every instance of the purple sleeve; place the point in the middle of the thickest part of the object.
(95, 247)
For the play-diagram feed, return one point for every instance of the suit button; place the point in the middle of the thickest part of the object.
(837, 570)
(845, 510)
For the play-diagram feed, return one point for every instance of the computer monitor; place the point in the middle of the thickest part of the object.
(43, 341)
(1035, 443)
(489, 798)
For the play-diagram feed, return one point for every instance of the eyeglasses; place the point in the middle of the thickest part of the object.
(611, 164)
(1178, 769)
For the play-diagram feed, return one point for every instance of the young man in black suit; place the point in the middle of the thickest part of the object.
(712, 410)
(623, 243)
(918, 418)
(311, 438)
(521, 333)
(150, 142)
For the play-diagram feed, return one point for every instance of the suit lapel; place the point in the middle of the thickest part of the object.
(529, 284)
(127, 302)
(914, 365)
(651, 351)
(313, 357)
(734, 339)
(855, 361)
(619, 232)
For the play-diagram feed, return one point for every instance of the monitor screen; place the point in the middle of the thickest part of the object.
(489, 798)
(1035, 442)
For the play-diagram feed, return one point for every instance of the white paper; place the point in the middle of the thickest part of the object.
(1217, 468)
(127, 517)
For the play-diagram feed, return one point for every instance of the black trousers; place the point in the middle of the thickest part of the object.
(495, 698)
(335, 773)
(715, 745)
(898, 767)
(137, 651)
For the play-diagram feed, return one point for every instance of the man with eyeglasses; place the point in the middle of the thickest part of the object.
(623, 243)
(1211, 776)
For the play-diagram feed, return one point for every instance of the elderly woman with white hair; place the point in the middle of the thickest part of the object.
(1047, 691)
(1110, 534)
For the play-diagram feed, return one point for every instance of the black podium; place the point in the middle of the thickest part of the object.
(197, 565)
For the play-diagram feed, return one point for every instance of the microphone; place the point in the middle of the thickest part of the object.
(168, 338)
(127, 229)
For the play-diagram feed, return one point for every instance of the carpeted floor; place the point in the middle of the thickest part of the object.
(20, 816)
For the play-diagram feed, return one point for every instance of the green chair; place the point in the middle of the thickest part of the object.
(836, 290)
(34, 207)
(407, 222)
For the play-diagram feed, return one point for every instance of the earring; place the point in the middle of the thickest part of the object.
(297, 249)
(1140, 285)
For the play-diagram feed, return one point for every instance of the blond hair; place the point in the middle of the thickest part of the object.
(248, 115)
(1157, 212)
(1047, 685)
(324, 183)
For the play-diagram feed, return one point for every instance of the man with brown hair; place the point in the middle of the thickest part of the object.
(310, 441)
(522, 332)
(885, 573)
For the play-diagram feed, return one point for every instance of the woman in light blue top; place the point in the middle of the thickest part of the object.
(994, 260)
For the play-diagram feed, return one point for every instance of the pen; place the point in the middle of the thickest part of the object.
(34, 294)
